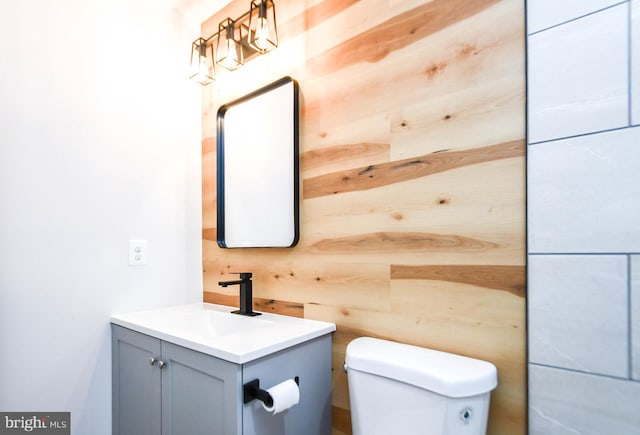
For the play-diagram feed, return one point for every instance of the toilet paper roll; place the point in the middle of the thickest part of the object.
(285, 395)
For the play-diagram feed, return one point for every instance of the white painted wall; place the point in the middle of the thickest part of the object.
(99, 143)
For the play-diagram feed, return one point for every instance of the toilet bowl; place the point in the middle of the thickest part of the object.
(397, 388)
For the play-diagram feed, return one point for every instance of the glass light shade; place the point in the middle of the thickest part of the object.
(263, 33)
(229, 50)
(202, 69)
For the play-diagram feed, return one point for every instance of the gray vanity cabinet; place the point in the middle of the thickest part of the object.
(161, 388)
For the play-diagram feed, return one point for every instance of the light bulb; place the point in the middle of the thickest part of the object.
(203, 64)
(231, 60)
(262, 34)
(200, 73)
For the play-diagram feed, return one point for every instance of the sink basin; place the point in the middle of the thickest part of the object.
(209, 324)
(214, 330)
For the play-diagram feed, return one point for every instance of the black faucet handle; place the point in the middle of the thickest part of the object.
(243, 275)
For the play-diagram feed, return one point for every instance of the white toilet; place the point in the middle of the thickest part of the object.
(400, 389)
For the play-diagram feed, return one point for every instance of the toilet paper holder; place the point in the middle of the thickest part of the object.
(251, 390)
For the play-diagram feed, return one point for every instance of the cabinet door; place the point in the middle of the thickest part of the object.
(136, 383)
(200, 394)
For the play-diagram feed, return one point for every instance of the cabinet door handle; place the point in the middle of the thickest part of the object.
(152, 361)
(162, 364)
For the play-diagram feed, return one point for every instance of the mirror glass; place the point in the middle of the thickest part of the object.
(257, 168)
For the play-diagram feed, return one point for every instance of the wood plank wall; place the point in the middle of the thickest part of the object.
(412, 181)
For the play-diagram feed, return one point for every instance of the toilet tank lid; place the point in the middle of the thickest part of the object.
(443, 373)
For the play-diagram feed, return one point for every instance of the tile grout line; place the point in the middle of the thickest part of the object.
(630, 61)
(579, 135)
(629, 320)
(578, 18)
(629, 316)
(580, 372)
(584, 253)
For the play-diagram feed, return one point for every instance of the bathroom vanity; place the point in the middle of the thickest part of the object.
(182, 370)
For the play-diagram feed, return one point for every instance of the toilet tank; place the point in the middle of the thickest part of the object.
(404, 389)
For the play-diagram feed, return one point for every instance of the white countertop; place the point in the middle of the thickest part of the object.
(211, 329)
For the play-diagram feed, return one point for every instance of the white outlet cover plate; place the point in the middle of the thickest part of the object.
(138, 252)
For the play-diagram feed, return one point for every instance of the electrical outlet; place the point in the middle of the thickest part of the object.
(138, 252)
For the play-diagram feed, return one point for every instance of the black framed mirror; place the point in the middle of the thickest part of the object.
(258, 169)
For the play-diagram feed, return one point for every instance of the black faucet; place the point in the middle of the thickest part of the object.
(246, 296)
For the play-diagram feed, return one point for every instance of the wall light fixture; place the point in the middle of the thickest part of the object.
(263, 34)
(229, 53)
(237, 41)
(202, 69)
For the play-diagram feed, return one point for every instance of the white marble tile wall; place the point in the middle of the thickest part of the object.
(584, 193)
(571, 403)
(578, 317)
(542, 14)
(578, 76)
(584, 216)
